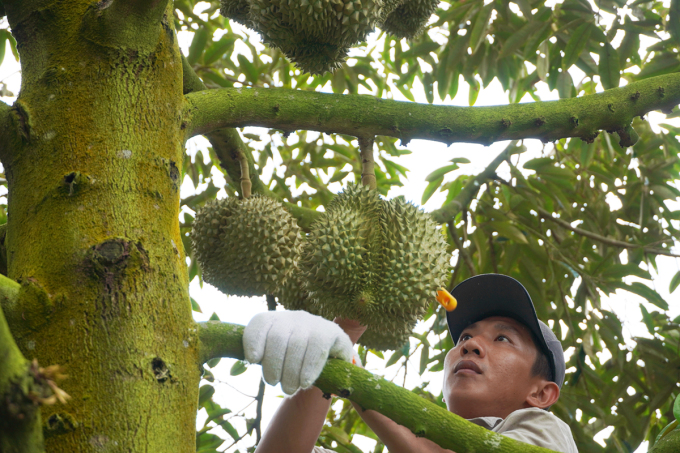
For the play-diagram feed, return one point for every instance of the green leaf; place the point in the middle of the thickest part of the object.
(218, 49)
(519, 38)
(430, 189)
(424, 359)
(239, 367)
(198, 44)
(225, 425)
(647, 319)
(676, 408)
(214, 415)
(249, 69)
(675, 281)
(509, 231)
(648, 293)
(208, 442)
(565, 85)
(398, 354)
(194, 305)
(205, 393)
(440, 172)
(577, 43)
(608, 67)
(480, 27)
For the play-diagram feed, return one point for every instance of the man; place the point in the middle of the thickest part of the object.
(505, 370)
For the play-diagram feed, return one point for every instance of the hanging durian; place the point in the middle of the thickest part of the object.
(246, 247)
(408, 19)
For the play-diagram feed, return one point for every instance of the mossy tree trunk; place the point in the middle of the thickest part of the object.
(92, 163)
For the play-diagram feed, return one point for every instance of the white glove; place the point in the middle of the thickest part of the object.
(293, 347)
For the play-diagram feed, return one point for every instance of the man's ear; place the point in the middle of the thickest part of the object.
(543, 395)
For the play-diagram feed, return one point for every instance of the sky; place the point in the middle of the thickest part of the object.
(236, 392)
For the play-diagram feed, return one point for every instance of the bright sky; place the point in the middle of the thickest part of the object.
(235, 392)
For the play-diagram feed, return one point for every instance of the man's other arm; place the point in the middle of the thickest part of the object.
(397, 438)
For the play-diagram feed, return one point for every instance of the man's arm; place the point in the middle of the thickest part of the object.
(397, 438)
(299, 419)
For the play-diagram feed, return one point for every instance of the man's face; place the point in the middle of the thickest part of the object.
(488, 373)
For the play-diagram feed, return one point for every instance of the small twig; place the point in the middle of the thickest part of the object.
(605, 240)
(461, 250)
(257, 423)
(271, 302)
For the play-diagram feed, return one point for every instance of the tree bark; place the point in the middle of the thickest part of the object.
(93, 233)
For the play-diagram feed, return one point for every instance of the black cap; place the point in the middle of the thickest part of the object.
(488, 295)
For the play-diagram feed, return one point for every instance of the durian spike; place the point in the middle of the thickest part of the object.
(246, 185)
(367, 162)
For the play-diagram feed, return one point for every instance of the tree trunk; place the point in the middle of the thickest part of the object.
(93, 234)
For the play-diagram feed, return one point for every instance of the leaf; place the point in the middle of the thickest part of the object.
(577, 43)
(239, 367)
(676, 408)
(519, 38)
(194, 305)
(225, 425)
(480, 27)
(440, 172)
(249, 69)
(675, 281)
(398, 354)
(648, 293)
(424, 358)
(208, 442)
(509, 231)
(565, 85)
(608, 67)
(218, 49)
(214, 415)
(430, 189)
(198, 44)
(205, 393)
(647, 319)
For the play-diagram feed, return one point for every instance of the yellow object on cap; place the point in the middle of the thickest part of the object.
(447, 300)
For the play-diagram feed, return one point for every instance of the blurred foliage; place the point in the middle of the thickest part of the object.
(616, 193)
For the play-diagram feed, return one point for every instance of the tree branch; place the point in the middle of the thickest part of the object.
(422, 417)
(132, 24)
(20, 425)
(219, 339)
(603, 239)
(451, 209)
(361, 115)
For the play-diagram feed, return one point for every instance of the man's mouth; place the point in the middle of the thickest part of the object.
(467, 367)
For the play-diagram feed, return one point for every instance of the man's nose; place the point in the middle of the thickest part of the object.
(473, 346)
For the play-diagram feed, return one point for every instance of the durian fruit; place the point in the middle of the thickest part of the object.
(246, 247)
(379, 262)
(237, 10)
(409, 18)
(315, 34)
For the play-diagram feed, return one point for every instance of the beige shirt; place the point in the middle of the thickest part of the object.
(533, 426)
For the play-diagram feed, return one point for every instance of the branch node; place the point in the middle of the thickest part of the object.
(661, 91)
(635, 96)
(540, 121)
(610, 107)
(574, 121)
(506, 123)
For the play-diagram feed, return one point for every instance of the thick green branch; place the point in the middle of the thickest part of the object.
(129, 24)
(20, 426)
(603, 239)
(422, 417)
(361, 115)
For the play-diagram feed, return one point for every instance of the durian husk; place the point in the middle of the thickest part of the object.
(376, 261)
(236, 10)
(315, 34)
(246, 247)
(409, 18)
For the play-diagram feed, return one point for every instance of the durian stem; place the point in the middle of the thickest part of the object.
(361, 115)
(367, 162)
(246, 185)
(422, 417)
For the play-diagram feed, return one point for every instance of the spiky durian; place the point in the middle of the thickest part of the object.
(391, 334)
(379, 262)
(408, 19)
(246, 247)
(314, 34)
(236, 10)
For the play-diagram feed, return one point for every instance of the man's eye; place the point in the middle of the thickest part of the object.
(502, 338)
(465, 337)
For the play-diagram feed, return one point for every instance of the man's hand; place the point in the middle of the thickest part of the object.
(293, 347)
